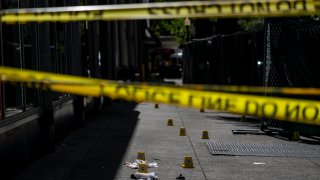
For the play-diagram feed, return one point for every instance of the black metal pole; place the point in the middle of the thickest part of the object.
(188, 33)
(2, 115)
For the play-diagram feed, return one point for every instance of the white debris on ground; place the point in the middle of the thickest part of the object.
(144, 176)
(135, 164)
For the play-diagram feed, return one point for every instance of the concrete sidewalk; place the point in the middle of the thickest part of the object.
(100, 149)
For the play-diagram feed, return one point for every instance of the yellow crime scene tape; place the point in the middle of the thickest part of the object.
(219, 8)
(285, 109)
(44, 78)
(256, 90)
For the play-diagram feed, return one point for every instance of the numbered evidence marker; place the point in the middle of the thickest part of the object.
(182, 131)
(170, 122)
(141, 156)
(143, 168)
(295, 136)
(188, 163)
(205, 134)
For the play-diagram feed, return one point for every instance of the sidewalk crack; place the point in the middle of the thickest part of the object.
(204, 174)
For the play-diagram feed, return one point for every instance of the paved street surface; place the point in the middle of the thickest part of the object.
(108, 140)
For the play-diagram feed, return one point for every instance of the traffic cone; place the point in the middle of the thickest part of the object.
(156, 106)
(188, 163)
(205, 134)
(182, 131)
(170, 122)
(143, 168)
(141, 156)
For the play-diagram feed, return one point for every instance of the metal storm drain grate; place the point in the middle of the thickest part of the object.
(271, 150)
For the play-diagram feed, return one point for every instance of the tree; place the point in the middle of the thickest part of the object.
(174, 27)
(203, 26)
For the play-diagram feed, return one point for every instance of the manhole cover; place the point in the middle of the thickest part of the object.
(272, 150)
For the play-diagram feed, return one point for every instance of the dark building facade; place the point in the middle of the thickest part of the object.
(33, 120)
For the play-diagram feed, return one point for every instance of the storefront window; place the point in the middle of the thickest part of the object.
(19, 48)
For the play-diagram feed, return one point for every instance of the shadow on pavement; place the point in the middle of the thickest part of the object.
(94, 151)
(105, 157)
(248, 122)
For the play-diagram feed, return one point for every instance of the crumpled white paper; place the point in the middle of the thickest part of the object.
(259, 163)
(145, 176)
(135, 164)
